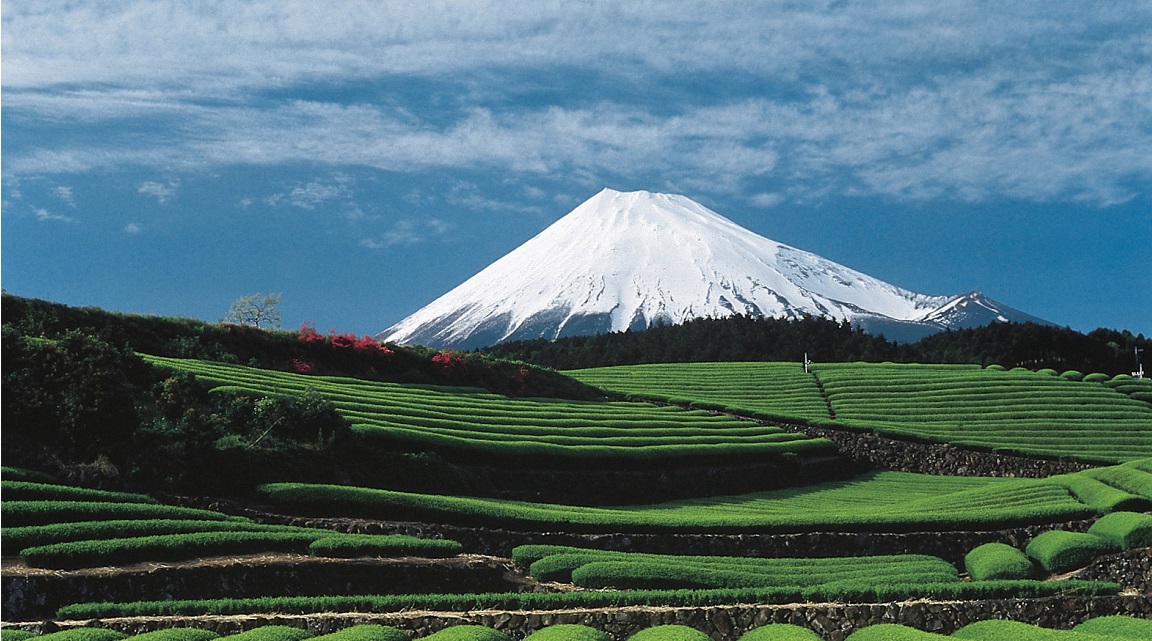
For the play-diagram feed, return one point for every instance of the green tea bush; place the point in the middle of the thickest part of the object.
(33, 491)
(12, 634)
(1060, 550)
(1096, 377)
(1073, 375)
(468, 633)
(24, 513)
(995, 367)
(997, 561)
(1048, 371)
(893, 632)
(780, 632)
(1121, 626)
(365, 632)
(21, 474)
(84, 634)
(165, 547)
(354, 545)
(177, 634)
(954, 590)
(670, 633)
(1005, 630)
(1124, 530)
(1100, 496)
(272, 633)
(568, 632)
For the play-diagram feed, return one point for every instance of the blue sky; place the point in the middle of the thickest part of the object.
(362, 158)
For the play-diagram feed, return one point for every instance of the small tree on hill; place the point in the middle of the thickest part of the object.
(256, 310)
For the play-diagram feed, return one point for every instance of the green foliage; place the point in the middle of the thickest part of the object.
(1100, 496)
(780, 632)
(1073, 375)
(1096, 377)
(25, 513)
(468, 633)
(356, 545)
(365, 632)
(84, 634)
(272, 633)
(882, 501)
(21, 474)
(177, 634)
(478, 422)
(993, 561)
(1060, 550)
(12, 634)
(670, 633)
(1125, 627)
(1004, 630)
(893, 632)
(1124, 530)
(568, 632)
(33, 491)
(74, 395)
(164, 547)
(1015, 412)
(578, 599)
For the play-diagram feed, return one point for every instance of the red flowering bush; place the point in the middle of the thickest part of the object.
(347, 340)
(448, 361)
(302, 367)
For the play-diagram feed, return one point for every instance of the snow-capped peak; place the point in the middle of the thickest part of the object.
(625, 260)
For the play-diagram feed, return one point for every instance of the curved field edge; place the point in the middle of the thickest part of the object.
(874, 502)
(579, 599)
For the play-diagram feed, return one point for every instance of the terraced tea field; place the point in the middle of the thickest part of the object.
(781, 390)
(1018, 411)
(476, 421)
(878, 501)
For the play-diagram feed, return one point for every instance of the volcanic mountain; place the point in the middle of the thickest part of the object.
(637, 259)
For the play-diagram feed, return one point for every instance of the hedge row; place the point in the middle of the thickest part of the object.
(25, 513)
(40, 491)
(481, 422)
(583, 599)
(883, 501)
(591, 568)
(997, 561)
(1060, 550)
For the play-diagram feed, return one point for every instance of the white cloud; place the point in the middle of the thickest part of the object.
(162, 192)
(64, 193)
(1026, 100)
(133, 228)
(45, 215)
(409, 232)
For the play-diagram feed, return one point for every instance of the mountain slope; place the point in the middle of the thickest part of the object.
(632, 260)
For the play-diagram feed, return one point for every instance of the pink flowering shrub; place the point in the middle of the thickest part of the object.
(302, 367)
(347, 340)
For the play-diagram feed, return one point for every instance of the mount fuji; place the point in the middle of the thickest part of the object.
(631, 260)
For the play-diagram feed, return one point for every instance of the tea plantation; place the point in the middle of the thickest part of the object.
(388, 516)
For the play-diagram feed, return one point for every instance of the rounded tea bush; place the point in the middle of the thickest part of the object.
(1073, 375)
(1060, 550)
(177, 634)
(993, 561)
(365, 632)
(1097, 377)
(670, 633)
(468, 633)
(780, 632)
(1124, 530)
(272, 633)
(568, 632)
(1047, 370)
(995, 367)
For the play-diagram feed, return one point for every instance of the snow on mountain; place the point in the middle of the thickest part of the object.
(632, 260)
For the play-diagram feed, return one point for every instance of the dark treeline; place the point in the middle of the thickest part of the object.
(744, 338)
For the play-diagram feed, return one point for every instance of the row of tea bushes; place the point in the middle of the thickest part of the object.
(1107, 628)
(49, 530)
(765, 390)
(590, 568)
(583, 599)
(878, 501)
(476, 421)
(1015, 411)
(1059, 550)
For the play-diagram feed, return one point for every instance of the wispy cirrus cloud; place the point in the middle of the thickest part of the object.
(956, 101)
(162, 192)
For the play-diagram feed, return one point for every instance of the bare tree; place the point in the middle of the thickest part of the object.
(256, 310)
